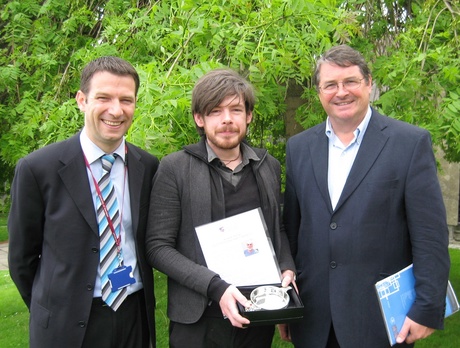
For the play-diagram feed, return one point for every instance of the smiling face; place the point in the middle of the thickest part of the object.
(225, 126)
(345, 108)
(109, 107)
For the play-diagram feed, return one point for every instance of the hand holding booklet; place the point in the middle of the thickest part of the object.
(396, 295)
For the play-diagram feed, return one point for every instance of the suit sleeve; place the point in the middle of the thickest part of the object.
(291, 217)
(429, 236)
(25, 228)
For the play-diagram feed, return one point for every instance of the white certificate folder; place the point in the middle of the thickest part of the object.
(239, 250)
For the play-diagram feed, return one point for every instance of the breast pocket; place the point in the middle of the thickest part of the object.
(376, 186)
(380, 201)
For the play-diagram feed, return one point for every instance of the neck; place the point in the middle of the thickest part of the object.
(230, 160)
(345, 130)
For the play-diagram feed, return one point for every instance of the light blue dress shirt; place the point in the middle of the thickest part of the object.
(341, 157)
(120, 181)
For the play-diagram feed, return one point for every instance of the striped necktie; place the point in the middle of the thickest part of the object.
(108, 249)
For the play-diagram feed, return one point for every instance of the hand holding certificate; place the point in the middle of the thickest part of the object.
(239, 250)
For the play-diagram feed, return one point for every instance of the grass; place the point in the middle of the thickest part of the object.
(14, 315)
(3, 230)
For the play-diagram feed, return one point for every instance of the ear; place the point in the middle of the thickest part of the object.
(369, 87)
(249, 117)
(198, 120)
(81, 101)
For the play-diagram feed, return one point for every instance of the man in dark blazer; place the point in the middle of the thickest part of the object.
(53, 228)
(362, 202)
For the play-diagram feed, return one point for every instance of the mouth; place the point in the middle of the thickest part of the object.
(344, 103)
(228, 131)
(112, 123)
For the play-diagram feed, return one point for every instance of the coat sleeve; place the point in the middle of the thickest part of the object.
(25, 228)
(171, 245)
(429, 236)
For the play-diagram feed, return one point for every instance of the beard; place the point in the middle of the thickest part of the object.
(226, 143)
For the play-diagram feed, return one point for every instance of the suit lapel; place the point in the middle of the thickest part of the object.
(319, 152)
(136, 178)
(75, 179)
(373, 142)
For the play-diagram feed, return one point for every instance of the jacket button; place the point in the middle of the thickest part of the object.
(89, 287)
(81, 324)
(94, 250)
(333, 225)
(333, 264)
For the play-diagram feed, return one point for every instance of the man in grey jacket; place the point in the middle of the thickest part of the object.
(216, 178)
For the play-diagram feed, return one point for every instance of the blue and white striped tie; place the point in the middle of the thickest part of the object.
(108, 248)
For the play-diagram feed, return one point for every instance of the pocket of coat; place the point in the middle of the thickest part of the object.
(382, 185)
(40, 315)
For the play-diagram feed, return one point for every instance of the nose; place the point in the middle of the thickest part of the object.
(226, 116)
(115, 108)
(341, 89)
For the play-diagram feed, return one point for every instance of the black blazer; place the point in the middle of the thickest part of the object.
(390, 213)
(54, 242)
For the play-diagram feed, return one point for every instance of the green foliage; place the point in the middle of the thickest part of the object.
(412, 45)
(450, 126)
(173, 43)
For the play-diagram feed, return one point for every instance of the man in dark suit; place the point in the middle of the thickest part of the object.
(362, 201)
(54, 253)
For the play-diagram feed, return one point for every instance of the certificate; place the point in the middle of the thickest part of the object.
(239, 250)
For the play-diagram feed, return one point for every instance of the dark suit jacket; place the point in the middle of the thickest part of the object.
(390, 214)
(54, 242)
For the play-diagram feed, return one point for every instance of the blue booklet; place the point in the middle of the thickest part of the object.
(396, 294)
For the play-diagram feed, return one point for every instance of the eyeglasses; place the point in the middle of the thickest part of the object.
(333, 87)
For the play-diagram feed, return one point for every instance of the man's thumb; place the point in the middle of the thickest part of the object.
(402, 335)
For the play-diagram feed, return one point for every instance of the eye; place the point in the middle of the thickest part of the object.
(330, 86)
(352, 83)
(214, 112)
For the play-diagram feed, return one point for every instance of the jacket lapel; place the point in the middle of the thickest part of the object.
(75, 179)
(136, 178)
(319, 152)
(373, 142)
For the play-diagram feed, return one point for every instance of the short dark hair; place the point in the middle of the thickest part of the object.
(343, 56)
(213, 87)
(113, 65)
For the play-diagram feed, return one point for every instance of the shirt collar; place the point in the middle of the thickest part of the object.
(93, 152)
(359, 131)
(247, 151)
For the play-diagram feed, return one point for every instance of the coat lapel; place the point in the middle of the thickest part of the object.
(136, 178)
(319, 152)
(75, 179)
(373, 142)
